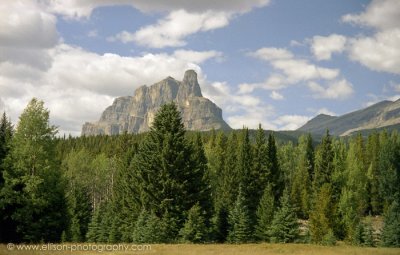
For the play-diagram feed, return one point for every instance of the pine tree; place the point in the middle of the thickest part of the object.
(168, 179)
(321, 216)
(220, 224)
(300, 189)
(33, 184)
(276, 178)
(372, 151)
(195, 229)
(391, 229)
(265, 214)
(323, 163)
(284, 226)
(7, 224)
(240, 222)
(93, 233)
(150, 229)
(260, 171)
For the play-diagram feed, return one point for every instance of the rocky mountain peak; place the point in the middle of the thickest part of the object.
(135, 113)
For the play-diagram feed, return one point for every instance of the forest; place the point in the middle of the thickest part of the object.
(173, 186)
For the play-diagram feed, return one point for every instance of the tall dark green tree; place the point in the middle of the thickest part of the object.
(284, 227)
(276, 177)
(301, 183)
(323, 163)
(265, 213)
(391, 229)
(195, 229)
(168, 178)
(240, 221)
(33, 186)
(6, 223)
(260, 169)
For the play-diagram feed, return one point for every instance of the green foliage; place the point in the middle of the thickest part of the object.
(168, 176)
(265, 214)
(33, 189)
(284, 227)
(195, 229)
(391, 229)
(301, 179)
(240, 222)
(322, 214)
(150, 229)
(276, 177)
(323, 163)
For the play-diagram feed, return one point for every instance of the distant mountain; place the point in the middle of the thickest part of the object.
(385, 114)
(134, 114)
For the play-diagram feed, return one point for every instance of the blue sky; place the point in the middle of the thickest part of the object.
(273, 62)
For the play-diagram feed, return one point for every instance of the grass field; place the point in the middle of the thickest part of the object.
(222, 249)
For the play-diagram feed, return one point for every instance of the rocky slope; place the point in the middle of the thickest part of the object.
(135, 114)
(380, 115)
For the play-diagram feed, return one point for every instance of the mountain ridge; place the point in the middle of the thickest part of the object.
(382, 114)
(134, 114)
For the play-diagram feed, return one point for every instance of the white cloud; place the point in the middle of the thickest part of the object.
(276, 95)
(323, 46)
(197, 56)
(289, 70)
(80, 9)
(380, 14)
(24, 24)
(171, 30)
(272, 54)
(93, 33)
(291, 122)
(380, 52)
(341, 89)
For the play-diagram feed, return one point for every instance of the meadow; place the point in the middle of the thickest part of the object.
(222, 249)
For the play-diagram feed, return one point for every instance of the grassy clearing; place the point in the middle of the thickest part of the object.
(228, 249)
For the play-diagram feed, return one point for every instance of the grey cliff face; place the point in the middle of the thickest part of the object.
(134, 114)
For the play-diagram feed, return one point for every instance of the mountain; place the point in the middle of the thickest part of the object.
(385, 114)
(134, 114)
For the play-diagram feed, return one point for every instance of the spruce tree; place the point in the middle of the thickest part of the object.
(276, 178)
(284, 226)
(93, 233)
(33, 186)
(322, 215)
(239, 220)
(195, 229)
(300, 188)
(7, 224)
(167, 177)
(265, 214)
(260, 169)
(391, 228)
(323, 163)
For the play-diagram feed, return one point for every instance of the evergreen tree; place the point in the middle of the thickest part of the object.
(322, 215)
(391, 229)
(265, 214)
(260, 171)
(195, 229)
(284, 227)
(7, 224)
(276, 178)
(33, 185)
(372, 157)
(168, 179)
(240, 222)
(93, 233)
(323, 163)
(300, 188)
(220, 224)
(150, 229)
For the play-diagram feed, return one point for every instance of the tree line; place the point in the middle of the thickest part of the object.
(169, 185)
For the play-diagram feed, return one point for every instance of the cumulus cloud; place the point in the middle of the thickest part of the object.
(379, 52)
(276, 95)
(325, 111)
(379, 14)
(341, 89)
(171, 31)
(290, 70)
(81, 9)
(323, 46)
(291, 122)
